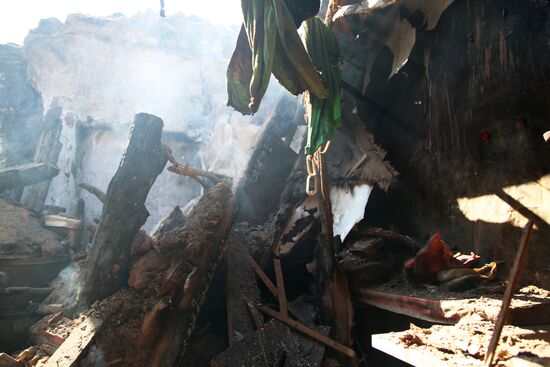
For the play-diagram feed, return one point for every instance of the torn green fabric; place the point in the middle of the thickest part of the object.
(268, 43)
(323, 115)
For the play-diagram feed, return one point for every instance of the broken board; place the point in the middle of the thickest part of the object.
(70, 351)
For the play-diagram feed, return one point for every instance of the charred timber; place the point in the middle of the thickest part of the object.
(124, 210)
(25, 175)
(196, 251)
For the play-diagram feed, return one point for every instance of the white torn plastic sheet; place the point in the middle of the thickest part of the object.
(348, 207)
(400, 42)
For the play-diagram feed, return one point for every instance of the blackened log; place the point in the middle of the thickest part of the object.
(25, 175)
(196, 251)
(47, 151)
(259, 190)
(124, 211)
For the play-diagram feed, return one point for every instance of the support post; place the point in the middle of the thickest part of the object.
(124, 211)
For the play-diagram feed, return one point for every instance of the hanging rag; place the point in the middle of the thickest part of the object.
(323, 115)
(268, 43)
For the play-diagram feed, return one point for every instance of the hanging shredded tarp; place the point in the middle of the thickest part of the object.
(323, 115)
(268, 43)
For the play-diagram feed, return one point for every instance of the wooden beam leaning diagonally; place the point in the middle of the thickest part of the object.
(308, 331)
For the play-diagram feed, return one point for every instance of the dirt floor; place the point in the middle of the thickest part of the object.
(465, 344)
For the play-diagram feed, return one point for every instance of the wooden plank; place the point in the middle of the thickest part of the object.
(267, 282)
(70, 351)
(526, 309)
(283, 309)
(424, 309)
(25, 175)
(60, 221)
(509, 293)
(263, 277)
(308, 331)
(334, 296)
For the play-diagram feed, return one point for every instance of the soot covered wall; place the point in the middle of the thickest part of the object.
(462, 122)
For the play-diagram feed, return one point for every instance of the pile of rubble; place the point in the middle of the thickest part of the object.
(221, 285)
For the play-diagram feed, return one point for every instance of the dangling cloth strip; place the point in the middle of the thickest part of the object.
(268, 43)
(323, 115)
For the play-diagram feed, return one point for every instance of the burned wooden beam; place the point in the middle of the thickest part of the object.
(25, 175)
(334, 295)
(281, 294)
(270, 164)
(196, 250)
(308, 331)
(424, 309)
(124, 212)
(259, 272)
(47, 151)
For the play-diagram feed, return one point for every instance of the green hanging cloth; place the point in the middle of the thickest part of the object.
(324, 115)
(268, 43)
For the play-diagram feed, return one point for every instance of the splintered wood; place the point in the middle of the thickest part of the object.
(152, 325)
(70, 351)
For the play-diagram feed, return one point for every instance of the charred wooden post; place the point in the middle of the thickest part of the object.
(196, 250)
(47, 151)
(335, 297)
(124, 211)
